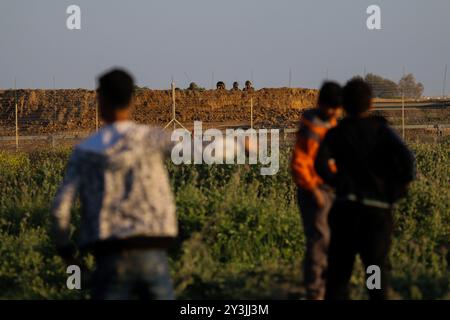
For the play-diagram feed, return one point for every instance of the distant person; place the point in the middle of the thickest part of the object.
(373, 169)
(248, 86)
(235, 87)
(193, 86)
(220, 86)
(438, 130)
(314, 197)
(127, 207)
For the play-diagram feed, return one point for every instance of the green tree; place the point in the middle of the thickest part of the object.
(409, 87)
(382, 87)
(194, 87)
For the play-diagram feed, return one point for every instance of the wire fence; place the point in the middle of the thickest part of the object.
(32, 119)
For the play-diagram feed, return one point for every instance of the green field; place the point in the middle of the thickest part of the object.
(241, 235)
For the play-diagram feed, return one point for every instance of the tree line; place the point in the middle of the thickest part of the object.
(386, 88)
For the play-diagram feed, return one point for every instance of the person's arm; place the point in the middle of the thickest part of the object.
(61, 208)
(302, 164)
(161, 140)
(403, 163)
(324, 163)
(305, 149)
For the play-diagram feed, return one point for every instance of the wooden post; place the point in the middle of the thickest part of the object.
(173, 104)
(96, 111)
(96, 117)
(403, 107)
(55, 119)
(174, 114)
(16, 115)
(403, 114)
(251, 113)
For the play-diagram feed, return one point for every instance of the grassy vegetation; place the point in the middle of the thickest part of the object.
(241, 235)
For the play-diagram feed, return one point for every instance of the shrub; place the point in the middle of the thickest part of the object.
(240, 233)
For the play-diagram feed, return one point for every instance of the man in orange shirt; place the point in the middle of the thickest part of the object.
(314, 197)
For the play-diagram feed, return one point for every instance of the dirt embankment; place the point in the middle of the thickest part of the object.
(48, 111)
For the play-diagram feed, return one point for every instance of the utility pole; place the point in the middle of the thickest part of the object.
(55, 111)
(54, 94)
(290, 77)
(187, 77)
(445, 82)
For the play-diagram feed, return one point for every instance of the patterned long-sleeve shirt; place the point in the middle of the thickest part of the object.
(123, 186)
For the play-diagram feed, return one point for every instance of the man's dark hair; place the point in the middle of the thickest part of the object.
(116, 88)
(330, 95)
(357, 96)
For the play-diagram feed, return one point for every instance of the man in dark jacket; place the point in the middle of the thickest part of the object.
(374, 168)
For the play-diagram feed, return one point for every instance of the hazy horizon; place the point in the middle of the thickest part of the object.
(236, 40)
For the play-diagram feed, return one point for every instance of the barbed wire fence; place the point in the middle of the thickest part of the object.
(51, 118)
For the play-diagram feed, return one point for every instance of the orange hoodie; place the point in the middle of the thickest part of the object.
(311, 132)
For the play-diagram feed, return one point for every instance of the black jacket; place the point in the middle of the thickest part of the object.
(372, 161)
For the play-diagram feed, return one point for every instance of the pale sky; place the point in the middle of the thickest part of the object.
(235, 39)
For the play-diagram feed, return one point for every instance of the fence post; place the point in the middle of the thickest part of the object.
(173, 103)
(16, 115)
(251, 112)
(403, 114)
(55, 111)
(96, 117)
(403, 107)
(174, 114)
